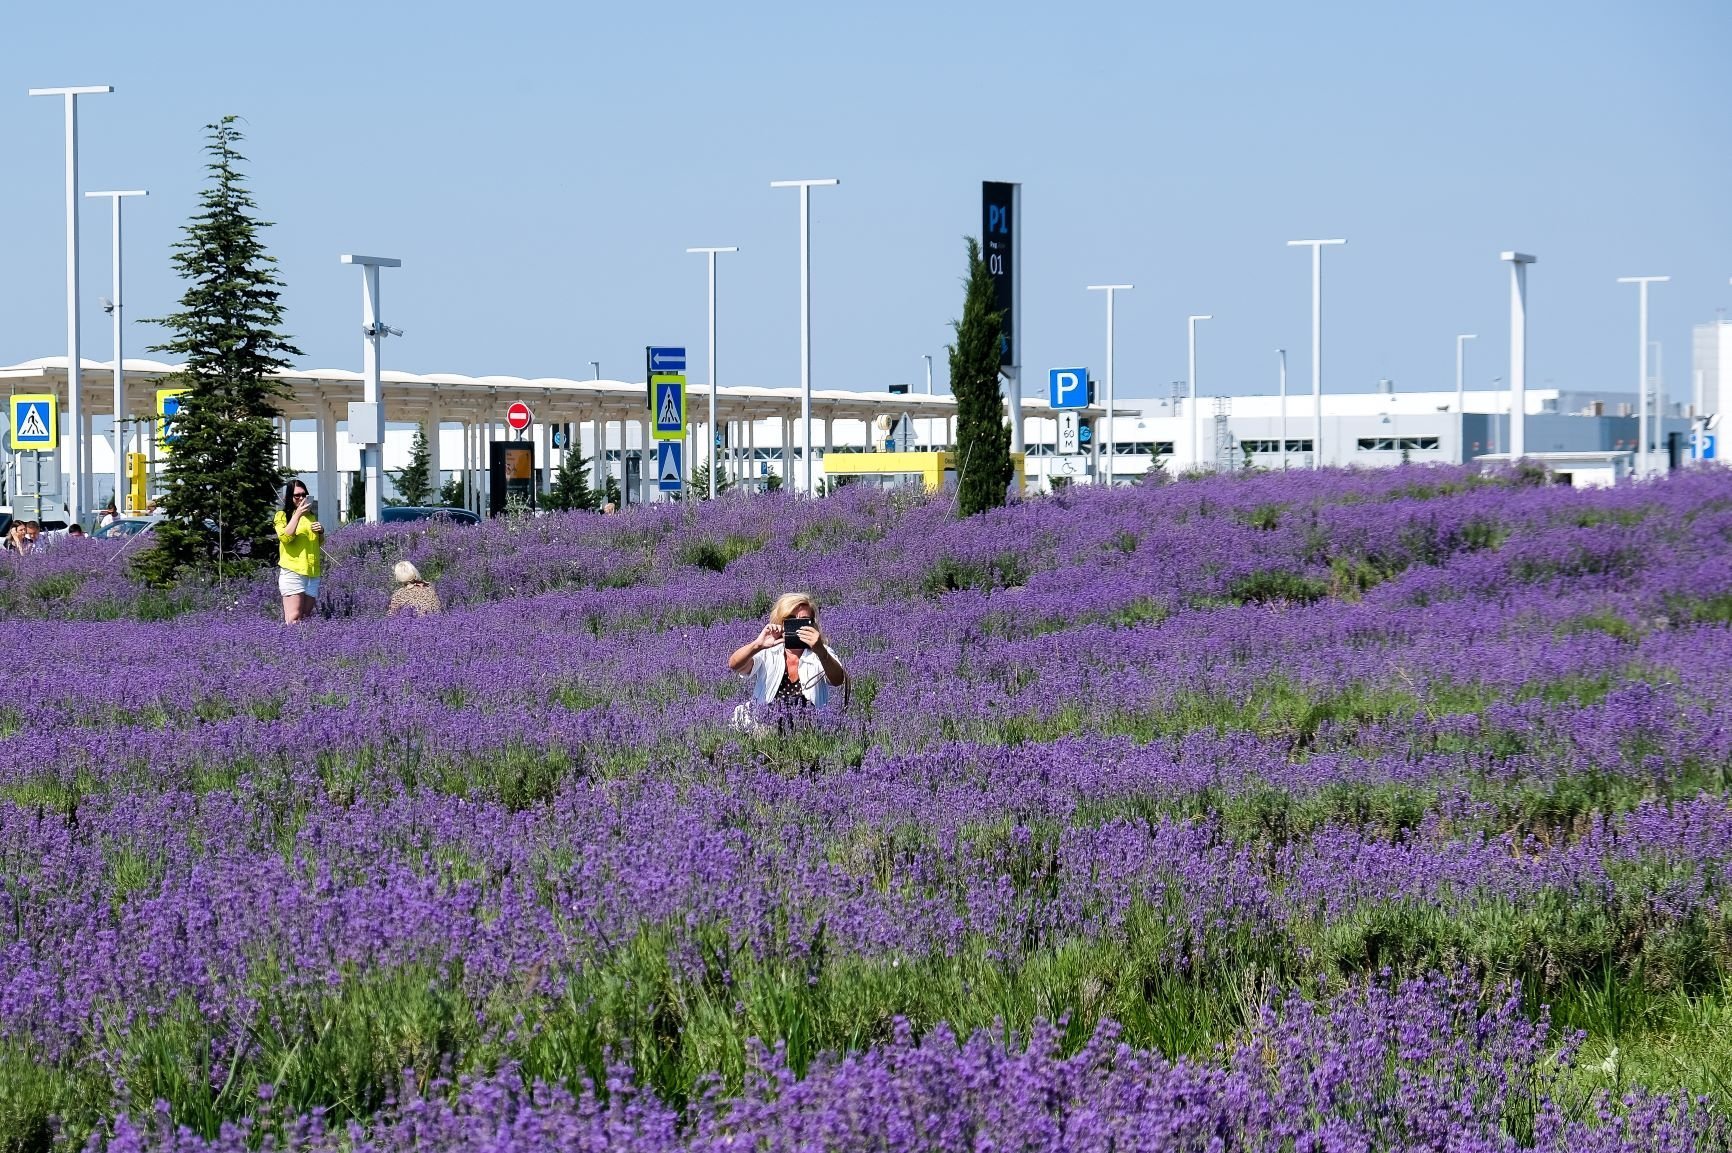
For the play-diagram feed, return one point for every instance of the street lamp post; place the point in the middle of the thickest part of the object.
(1112, 441)
(1316, 247)
(115, 307)
(1461, 400)
(1191, 362)
(74, 363)
(1282, 353)
(1518, 351)
(1641, 283)
(367, 419)
(805, 187)
(711, 431)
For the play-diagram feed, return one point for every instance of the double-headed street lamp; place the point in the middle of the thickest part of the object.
(805, 187)
(711, 253)
(1112, 442)
(76, 497)
(1316, 247)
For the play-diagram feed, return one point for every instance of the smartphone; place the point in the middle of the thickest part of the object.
(791, 631)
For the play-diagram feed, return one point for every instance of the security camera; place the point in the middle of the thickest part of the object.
(107, 305)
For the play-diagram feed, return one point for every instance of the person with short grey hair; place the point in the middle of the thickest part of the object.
(413, 594)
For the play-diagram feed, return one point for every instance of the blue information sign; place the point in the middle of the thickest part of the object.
(1068, 388)
(669, 457)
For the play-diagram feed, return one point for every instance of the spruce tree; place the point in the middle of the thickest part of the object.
(613, 494)
(571, 490)
(700, 486)
(414, 481)
(982, 436)
(221, 482)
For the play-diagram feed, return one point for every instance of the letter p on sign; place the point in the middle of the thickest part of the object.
(1067, 387)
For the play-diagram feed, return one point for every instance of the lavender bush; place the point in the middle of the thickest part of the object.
(1153, 816)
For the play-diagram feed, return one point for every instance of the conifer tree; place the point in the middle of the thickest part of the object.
(613, 494)
(357, 494)
(571, 489)
(222, 483)
(414, 481)
(982, 436)
(453, 493)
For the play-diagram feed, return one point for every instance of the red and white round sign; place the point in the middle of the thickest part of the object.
(519, 417)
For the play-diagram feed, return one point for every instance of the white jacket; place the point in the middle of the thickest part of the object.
(770, 668)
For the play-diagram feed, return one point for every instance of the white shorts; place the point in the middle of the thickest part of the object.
(291, 583)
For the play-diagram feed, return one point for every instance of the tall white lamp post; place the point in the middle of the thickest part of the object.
(76, 497)
(1191, 369)
(115, 307)
(711, 253)
(1461, 400)
(367, 419)
(1518, 350)
(1111, 439)
(1641, 283)
(805, 187)
(1316, 247)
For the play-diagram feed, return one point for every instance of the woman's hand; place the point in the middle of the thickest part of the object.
(768, 637)
(813, 639)
(318, 529)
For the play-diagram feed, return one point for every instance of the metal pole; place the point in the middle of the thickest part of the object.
(1191, 370)
(1111, 441)
(374, 329)
(74, 361)
(1316, 247)
(711, 431)
(1641, 283)
(1518, 352)
(1282, 352)
(805, 187)
(115, 308)
(1461, 401)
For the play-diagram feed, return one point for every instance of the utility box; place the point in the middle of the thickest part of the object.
(366, 423)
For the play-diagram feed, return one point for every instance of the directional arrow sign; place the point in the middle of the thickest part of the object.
(669, 359)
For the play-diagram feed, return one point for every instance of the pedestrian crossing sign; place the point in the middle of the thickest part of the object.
(35, 422)
(669, 390)
(168, 406)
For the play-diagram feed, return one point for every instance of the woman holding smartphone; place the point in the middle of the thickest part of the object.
(299, 538)
(789, 662)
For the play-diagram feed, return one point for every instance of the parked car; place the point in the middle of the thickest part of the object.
(127, 526)
(403, 513)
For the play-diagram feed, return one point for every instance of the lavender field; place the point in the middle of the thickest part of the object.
(1340, 811)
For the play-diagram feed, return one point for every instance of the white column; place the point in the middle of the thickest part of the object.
(1460, 401)
(433, 422)
(1111, 447)
(325, 441)
(116, 308)
(1518, 351)
(374, 329)
(1282, 352)
(805, 187)
(1191, 346)
(597, 461)
(1316, 247)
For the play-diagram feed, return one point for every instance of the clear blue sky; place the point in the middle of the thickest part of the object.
(541, 167)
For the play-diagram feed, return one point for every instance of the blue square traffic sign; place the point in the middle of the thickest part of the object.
(669, 464)
(668, 395)
(1068, 388)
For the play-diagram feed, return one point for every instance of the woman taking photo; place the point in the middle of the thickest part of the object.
(299, 538)
(789, 662)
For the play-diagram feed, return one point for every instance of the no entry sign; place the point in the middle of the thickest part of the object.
(519, 417)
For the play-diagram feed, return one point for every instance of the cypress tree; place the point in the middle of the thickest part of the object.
(414, 482)
(222, 480)
(982, 436)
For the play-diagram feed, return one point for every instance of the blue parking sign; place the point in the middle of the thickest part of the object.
(1068, 388)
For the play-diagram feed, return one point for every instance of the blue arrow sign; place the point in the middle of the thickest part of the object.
(669, 359)
(669, 457)
(1085, 434)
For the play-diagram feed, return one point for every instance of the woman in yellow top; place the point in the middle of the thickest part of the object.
(299, 538)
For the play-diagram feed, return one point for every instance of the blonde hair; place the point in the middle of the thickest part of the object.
(787, 603)
(406, 572)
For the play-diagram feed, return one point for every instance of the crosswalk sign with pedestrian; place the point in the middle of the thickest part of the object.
(670, 464)
(35, 422)
(669, 389)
